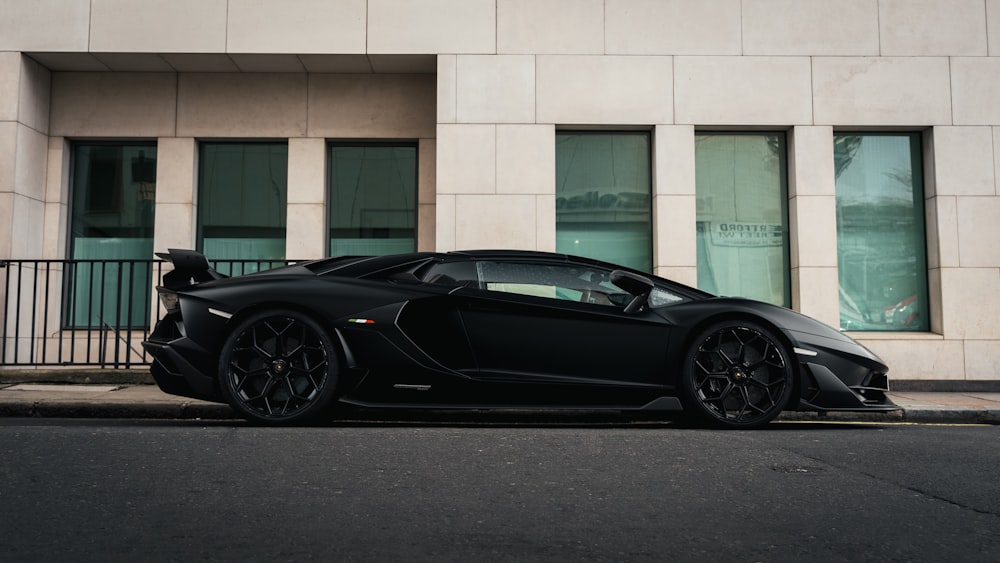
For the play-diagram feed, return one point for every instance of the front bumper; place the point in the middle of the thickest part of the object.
(853, 388)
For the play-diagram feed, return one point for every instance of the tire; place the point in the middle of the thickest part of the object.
(279, 367)
(737, 374)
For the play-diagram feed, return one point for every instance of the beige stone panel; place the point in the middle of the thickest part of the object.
(55, 236)
(495, 89)
(444, 224)
(31, 158)
(674, 162)
(969, 303)
(33, 99)
(158, 26)
(545, 223)
(896, 91)
(815, 292)
(982, 359)
(426, 231)
(810, 27)
(302, 26)
(174, 226)
(996, 159)
(495, 221)
(44, 25)
(687, 276)
(447, 88)
(432, 26)
(6, 221)
(27, 227)
(241, 105)
(942, 232)
(810, 161)
(8, 154)
(176, 170)
(674, 231)
(526, 159)
(963, 161)
(306, 171)
(920, 359)
(993, 26)
(305, 234)
(10, 85)
(426, 171)
(57, 171)
(613, 90)
(99, 104)
(550, 27)
(389, 106)
(932, 27)
(936, 299)
(975, 83)
(466, 159)
(978, 223)
(813, 230)
(672, 27)
(742, 90)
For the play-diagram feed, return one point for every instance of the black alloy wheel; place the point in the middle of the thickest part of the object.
(737, 375)
(279, 367)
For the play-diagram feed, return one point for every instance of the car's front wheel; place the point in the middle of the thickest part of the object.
(737, 374)
(279, 367)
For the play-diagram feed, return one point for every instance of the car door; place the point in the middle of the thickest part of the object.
(558, 322)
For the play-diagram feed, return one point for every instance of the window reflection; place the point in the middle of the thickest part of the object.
(603, 201)
(742, 213)
(880, 232)
(242, 197)
(373, 193)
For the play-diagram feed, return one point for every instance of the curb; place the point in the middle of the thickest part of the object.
(183, 410)
(106, 409)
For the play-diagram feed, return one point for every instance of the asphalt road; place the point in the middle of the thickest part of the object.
(500, 490)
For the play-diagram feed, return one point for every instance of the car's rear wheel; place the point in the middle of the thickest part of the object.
(737, 374)
(279, 367)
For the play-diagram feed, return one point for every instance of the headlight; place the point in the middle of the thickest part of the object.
(169, 299)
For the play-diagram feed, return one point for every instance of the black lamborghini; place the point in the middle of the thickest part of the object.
(494, 329)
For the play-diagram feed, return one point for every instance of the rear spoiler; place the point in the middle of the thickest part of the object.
(190, 267)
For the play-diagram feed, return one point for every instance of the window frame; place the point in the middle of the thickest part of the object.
(783, 198)
(921, 140)
(202, 207)
(329, 187)
(140, 307)
(650, 170)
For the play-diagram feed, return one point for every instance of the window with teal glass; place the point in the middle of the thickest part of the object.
(742, 215)
(881, 248)
(242, 197)
(373, 199)
(603, 197)
(111, 222)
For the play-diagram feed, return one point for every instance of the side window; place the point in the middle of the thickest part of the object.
(552, 281)
(451, 274)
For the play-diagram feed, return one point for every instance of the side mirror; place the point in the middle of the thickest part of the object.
(638, 286)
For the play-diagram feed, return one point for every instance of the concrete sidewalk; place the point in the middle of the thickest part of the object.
(137, 400)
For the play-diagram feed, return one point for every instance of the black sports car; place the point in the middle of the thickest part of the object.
(494, 329)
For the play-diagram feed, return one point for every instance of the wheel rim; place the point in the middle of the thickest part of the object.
(740, 376)
(277, 367)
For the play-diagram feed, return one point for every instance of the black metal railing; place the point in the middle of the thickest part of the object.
(86, 312)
